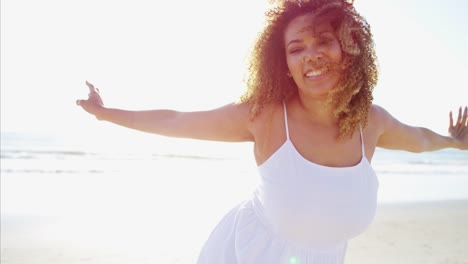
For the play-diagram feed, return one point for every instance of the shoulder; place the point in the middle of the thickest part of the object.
(379, 116)
(378, 111)
(388, 128)
(238, 116)
(267, 112)
(269, 117)
(379, 120)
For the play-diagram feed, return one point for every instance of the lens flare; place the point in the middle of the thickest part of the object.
(293, 260)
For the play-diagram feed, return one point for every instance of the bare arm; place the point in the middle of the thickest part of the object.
(396, 135)
(228, 123)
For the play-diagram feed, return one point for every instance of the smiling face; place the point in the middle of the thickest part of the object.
(347, 62)
(313, 54)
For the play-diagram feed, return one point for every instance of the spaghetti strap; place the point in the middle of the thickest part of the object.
(362, 142)
(286, 120)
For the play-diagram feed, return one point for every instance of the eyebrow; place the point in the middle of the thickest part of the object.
(300, 40)
(294, 41)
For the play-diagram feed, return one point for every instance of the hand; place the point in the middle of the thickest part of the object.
(459, 130)
(93, 104)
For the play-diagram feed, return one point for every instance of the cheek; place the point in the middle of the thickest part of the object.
(293, 63)
(288, 62)
(337, 54)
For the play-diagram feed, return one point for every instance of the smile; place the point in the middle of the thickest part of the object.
(315, 74)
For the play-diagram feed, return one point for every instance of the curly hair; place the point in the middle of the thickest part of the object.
(267, 80)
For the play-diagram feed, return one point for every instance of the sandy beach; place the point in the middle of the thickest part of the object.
(415, 233)
(430, 233)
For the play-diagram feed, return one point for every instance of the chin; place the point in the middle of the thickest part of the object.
(317, 90)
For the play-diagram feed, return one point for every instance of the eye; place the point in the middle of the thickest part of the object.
(295, 50)
(325, 40)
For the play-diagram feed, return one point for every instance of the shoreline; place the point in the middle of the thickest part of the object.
(404, 233)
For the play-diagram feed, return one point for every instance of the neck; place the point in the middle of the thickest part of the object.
(317, 109)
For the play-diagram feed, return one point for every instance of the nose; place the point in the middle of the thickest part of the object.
(312, 54)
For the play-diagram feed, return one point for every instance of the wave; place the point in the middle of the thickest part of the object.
(182, 156)
(32, 154)
(28, 154)
(52, 171)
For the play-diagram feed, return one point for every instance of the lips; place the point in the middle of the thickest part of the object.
(315, 74)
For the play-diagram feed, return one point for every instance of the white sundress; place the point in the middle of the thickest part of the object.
(301, 213)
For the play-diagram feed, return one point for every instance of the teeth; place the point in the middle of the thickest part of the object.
(314, 73)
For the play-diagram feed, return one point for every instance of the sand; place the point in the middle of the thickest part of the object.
(417, 233)
(435, 232)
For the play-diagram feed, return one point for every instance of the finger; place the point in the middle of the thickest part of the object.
(91, 87)
(79, 102)
(451, 119)
(459, 118)
(465, 116)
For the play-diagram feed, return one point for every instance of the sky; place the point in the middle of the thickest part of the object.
(191, 55)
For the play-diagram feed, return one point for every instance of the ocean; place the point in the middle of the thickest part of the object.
(36, 165)
(136, 192)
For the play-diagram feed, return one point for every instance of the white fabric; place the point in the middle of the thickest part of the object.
(301, 213)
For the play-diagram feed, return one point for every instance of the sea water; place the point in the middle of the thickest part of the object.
(403, 176)
(131, 187)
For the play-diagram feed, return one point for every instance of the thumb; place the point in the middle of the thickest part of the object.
(81, 102)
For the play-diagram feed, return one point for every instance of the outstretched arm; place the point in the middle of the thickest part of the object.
(229, 123)
(396, 135)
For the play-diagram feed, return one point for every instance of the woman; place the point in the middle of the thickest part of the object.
(309, 112)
